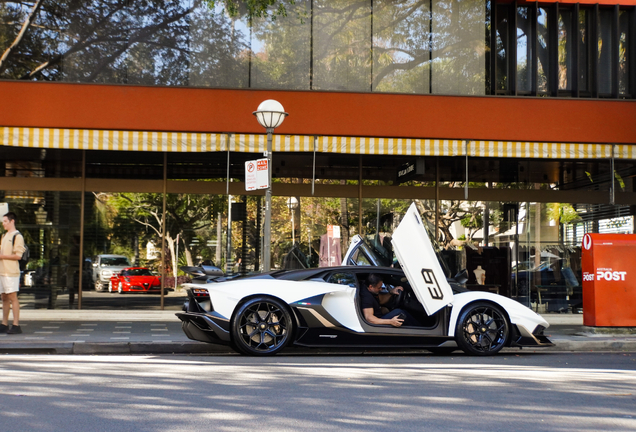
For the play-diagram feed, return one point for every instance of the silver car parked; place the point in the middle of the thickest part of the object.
(104, 266)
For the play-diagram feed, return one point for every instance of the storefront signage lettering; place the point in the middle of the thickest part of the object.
(411, 170)
(606, 275)
(405, 171)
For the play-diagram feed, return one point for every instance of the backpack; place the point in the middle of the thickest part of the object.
(25, 255)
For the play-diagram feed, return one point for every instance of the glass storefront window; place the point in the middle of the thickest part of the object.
(401, 54)
(544, 45)
(525, 50)
(565, 49)
(341, 46)
(124, 165)
(605, 41)
(503, 27)
(584, 50)
(624, 54)
(217, 48)
(458, 47)
(40, 163)
(49, 222)
(281, 49)
(439, 47)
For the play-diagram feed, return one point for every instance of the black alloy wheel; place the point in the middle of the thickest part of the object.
(482, 329)
(261, 326)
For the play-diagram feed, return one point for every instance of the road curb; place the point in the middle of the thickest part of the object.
(199, 348)
(594, 345)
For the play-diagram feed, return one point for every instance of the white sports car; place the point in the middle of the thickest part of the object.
(319, 307)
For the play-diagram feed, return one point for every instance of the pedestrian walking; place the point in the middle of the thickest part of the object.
(11, 250)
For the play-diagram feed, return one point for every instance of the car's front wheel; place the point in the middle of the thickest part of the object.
(99, 286)
(482, 329)
(119, 289)
(262, 326)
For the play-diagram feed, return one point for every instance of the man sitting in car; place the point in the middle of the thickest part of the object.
(372, 301)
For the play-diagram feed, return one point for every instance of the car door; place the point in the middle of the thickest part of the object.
(341, 303)
(417, 257)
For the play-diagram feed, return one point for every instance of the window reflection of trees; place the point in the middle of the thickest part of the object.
(403, 46)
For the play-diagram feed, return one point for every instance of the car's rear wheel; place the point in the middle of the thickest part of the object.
(262, 326)
(119, 289)
(110, 286)
(482, 329)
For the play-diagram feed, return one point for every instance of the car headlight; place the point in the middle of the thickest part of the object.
(107, 273)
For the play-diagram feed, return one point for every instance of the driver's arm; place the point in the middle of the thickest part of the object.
(368, 315)
(385, 297)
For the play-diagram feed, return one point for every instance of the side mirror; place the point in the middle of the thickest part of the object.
(461, 277)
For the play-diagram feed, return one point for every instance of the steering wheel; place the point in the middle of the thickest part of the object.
(399, 300)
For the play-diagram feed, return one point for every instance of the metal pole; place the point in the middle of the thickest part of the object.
(163, 227)
(267, 225)
(293, 210)
(81, 248)
(176, 262)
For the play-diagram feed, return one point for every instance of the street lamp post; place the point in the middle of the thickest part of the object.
(270, 114)
(292, 203)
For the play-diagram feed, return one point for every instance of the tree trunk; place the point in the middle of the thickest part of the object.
(18, 39)
(170, 242)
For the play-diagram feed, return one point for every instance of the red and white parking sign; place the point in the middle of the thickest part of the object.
(256, 174)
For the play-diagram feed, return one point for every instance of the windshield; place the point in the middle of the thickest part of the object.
(137, 272)
(114, 261)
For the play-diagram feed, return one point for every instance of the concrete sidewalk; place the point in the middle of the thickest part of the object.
(159, 332)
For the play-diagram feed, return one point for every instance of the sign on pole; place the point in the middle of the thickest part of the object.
(256, 174)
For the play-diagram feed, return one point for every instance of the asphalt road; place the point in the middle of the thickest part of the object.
(523, 391)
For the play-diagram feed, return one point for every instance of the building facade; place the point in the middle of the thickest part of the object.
(126, 127)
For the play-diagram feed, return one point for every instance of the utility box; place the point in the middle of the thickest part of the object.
(609, 280)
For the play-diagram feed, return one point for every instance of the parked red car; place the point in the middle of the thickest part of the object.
(134, 279)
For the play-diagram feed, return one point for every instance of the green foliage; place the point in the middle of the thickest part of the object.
(473, 220)
(253, 8)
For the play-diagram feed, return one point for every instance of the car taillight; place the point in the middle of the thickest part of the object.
(200, 292)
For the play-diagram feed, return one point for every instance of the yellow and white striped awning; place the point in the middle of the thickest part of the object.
(85, 139)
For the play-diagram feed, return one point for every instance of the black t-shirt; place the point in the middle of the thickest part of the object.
(370, 301)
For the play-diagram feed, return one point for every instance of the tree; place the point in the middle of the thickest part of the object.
(186, 216)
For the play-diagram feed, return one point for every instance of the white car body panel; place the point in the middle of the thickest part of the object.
(339, 303)
(525, 318)
(415, 252)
